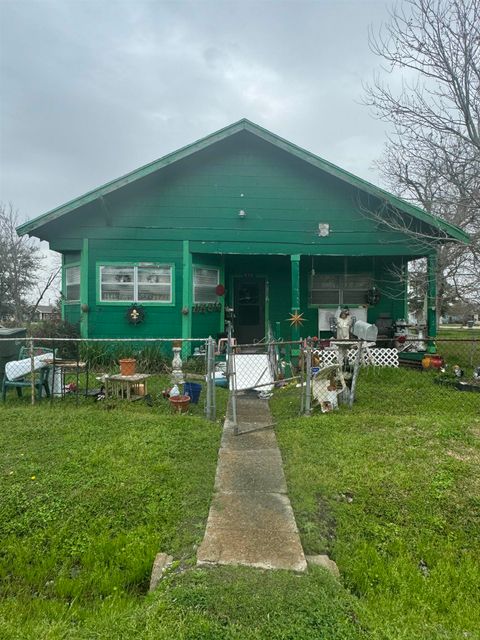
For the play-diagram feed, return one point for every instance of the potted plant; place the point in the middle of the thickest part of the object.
(127, 366)
(180, 404)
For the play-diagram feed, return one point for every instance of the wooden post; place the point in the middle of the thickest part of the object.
(32, 370)
(295, 271)
(187, 285)
(432, 295)
(84, 307)
(308, 378)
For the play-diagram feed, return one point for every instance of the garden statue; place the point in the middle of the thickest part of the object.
(177, 373)
(344, 323)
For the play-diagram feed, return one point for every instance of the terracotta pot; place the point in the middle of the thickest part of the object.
(177, 344)
(127, 366)
(180, 404)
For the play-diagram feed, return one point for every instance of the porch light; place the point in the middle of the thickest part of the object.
(242, 214)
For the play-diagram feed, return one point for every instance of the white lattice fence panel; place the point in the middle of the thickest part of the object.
(383, 357)
(325, 358)
(380, 357)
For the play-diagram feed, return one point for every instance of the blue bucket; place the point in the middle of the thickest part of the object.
(192, 389)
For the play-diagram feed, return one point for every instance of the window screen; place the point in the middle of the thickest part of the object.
(205, 281)
(338, 289)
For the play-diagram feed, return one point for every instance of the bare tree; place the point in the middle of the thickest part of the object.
(51, 278)
(431, 51)
(20, 261)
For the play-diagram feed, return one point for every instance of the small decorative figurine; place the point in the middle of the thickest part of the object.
(344, 323)
(458, 371)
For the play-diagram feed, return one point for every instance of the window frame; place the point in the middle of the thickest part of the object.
(135, 266)
(209, 267)
(343, 280)
(66, 267)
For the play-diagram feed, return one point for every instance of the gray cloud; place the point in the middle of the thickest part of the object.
(91, 90)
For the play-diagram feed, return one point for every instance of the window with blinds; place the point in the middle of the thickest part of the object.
(205, 281)
(72, 284)
(339, 289)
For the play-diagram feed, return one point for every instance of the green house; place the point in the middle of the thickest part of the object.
(281, 229)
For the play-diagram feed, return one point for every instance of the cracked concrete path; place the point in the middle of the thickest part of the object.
(251, 521)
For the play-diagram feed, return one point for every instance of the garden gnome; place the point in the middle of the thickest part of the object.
(344, 323)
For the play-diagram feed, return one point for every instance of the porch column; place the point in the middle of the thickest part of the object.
(187, 298)
(295, 272)
(432, 295)
(84, 306)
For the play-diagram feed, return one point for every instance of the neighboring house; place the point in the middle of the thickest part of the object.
(281, 229)
(45, 312)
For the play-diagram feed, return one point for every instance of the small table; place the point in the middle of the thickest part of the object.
(129, 387)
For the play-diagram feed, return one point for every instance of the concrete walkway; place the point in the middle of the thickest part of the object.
(251, 521)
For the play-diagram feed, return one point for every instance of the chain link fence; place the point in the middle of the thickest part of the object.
(179, 374)
(263, 369)
(321, 376)
(303, 377)
(435, 372)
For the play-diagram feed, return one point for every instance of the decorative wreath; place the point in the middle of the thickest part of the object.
(373, 296)
(135, 314)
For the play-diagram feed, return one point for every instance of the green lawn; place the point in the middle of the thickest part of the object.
(90, 493)
(391, 491)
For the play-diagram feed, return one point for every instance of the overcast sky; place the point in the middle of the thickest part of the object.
(93, 89)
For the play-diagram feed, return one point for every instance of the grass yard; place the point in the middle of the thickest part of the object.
(90, 493)
(391, 491)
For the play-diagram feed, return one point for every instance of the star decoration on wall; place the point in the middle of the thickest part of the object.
(296, 319)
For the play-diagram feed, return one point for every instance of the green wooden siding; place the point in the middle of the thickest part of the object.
(187, 215)
(71, 313)
(107, 320)
(199, 198)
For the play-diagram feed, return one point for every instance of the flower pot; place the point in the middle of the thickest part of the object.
(180, 404)
(127, 366)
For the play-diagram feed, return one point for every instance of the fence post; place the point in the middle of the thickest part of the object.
(32, 370)
(210, 408)
(213, 404)
(301, 376)
(53, 370)
(232, 378)
(356, 369)
(308, 378)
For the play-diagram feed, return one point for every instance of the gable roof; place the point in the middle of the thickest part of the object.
(450, 230)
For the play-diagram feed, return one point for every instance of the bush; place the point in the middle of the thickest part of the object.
(57, 329)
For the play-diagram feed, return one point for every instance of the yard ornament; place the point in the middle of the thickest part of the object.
(344, 323)
(296, 319)
(135, 314)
